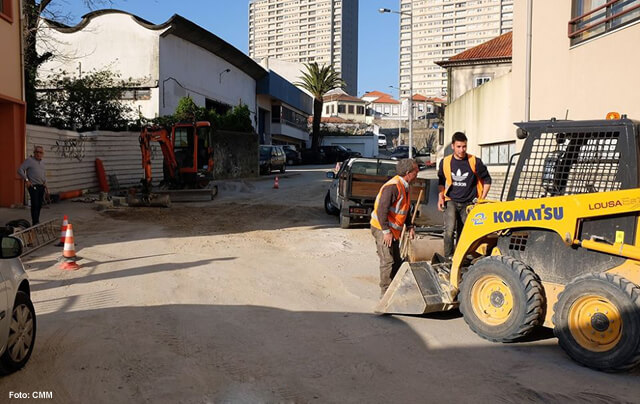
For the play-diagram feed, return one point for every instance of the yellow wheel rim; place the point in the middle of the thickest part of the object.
(595, 323)
(492, 300)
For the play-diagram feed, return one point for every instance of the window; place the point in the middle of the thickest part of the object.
(351, 109)
(478, 81)
(591, 18)
(341, 109)
(360, 110)
(6, 11)
(327, 110)
(498, 153)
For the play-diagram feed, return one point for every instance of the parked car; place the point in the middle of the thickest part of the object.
(309, 156)
(423, 157)
(382, 141)
(336, 153)
(18, 325)
(402, 152)
(293, 155)
(272, 158)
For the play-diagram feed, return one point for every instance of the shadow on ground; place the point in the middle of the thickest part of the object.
(205, 353)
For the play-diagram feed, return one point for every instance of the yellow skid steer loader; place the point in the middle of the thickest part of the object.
(563, 249)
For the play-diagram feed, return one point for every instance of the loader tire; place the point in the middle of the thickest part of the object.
(501, 299)
(597, 322)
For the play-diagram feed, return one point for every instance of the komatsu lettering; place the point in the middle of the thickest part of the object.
(529, 215)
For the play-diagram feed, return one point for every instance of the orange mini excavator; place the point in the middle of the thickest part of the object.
(187, 166)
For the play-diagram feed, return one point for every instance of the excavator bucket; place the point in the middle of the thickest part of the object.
(418, 288)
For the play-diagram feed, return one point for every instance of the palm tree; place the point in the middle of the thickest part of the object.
(318, 81)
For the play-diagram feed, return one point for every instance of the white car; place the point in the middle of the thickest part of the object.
(17, 316)
(382, 141)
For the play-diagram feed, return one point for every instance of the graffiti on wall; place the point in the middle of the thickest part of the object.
(70, 148)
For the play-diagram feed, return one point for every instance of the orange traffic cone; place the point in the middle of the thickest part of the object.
(63, 230)
(69, 252)
(276, 185)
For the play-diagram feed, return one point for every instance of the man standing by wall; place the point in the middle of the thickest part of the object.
(462, 178)
(390, 214)
(33, 173)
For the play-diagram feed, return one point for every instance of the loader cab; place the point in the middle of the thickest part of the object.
(569, 158)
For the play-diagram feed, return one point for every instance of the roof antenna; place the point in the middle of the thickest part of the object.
(566, 115)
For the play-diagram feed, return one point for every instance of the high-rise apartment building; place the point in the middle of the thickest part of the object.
(441, 29)
(322, 31)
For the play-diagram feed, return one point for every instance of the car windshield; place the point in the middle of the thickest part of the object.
(340, 147)
(374, 168)
(265, 152)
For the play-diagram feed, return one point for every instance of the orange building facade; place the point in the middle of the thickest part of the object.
(12, 105)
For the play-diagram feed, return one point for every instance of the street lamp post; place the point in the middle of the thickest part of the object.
(387, 10)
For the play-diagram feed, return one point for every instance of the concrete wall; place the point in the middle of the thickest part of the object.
(198, 72)
(114, 42)
(235, 155)
(588, 80)
(11, 67)
(70, 157)
(367, 145)
(463, 78)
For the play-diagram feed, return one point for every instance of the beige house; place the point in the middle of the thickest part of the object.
(12, 105)
(584, 59)
(478, 65)
(570, 69)
(339, 104)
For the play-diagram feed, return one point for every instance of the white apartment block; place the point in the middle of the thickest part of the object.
(322, 31)
(441, 29)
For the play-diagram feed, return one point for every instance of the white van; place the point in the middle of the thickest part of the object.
(382, 141)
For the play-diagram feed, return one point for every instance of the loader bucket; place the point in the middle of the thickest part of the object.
(417, 288)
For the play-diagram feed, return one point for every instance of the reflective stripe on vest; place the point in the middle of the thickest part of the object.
(446, 168)
(397, 212)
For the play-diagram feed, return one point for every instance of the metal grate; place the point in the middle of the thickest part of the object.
(518, 242)
(570, 163)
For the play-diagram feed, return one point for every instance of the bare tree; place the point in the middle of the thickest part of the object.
(33, 11)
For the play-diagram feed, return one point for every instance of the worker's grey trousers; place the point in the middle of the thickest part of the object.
(390, 260)
(455, 214)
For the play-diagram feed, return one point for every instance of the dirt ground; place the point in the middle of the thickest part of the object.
(259, 296)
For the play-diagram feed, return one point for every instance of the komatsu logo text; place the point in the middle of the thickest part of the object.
(529, 215)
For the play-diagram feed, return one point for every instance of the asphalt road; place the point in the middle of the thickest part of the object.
(259, 296)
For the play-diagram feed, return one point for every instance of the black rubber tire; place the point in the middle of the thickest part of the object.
(283, 169)
(527, 292)
(8, 364)
(625, 295)
(328, 207)
(345, 221)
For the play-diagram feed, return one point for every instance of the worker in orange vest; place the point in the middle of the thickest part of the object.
(390, 214)
(462, 178)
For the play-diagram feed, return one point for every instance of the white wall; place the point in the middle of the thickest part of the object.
(114, 42)
(463, 78)
(198, 71)
(70, 157)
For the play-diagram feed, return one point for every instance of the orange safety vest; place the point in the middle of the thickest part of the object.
(397, 212)
(446, 167)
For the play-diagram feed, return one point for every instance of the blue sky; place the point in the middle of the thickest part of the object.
(378, 33)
